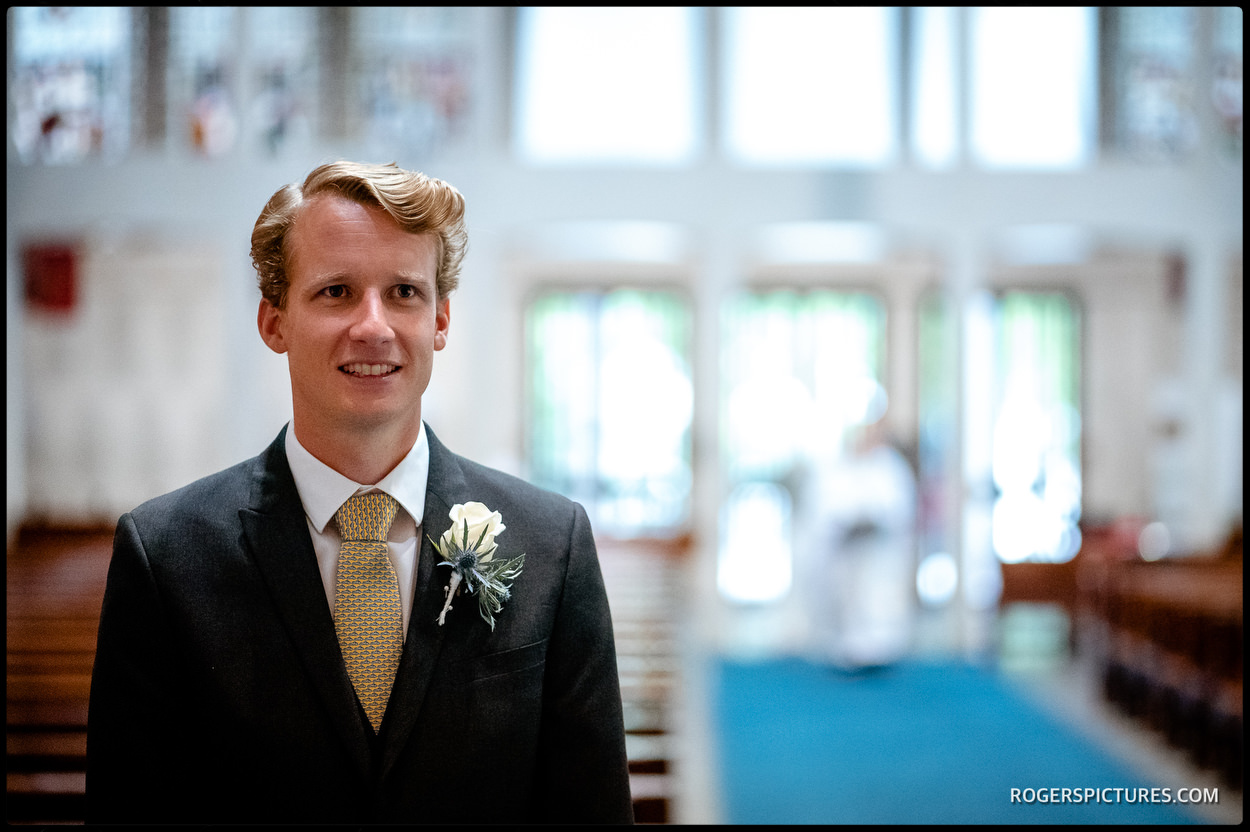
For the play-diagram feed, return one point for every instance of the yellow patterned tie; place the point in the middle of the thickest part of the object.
(367, 614)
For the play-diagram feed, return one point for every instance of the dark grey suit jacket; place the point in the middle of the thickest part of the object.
(219, 692)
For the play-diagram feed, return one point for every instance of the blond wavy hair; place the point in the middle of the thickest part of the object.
(420, 204)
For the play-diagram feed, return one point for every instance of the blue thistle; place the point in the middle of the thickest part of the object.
(479, 573)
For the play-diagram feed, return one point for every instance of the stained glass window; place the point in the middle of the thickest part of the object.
(70, 94)
(810, 85)
(1154, 70)
(610, 405)
(414, 77)
(281, 76)
(600, 85)
(204, 77)
(1227, 93)
(1153, 81)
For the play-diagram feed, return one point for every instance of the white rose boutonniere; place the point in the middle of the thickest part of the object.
(468, 547)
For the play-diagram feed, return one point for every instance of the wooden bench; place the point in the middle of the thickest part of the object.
(641, 579)
(55, 585)
(1168, 640)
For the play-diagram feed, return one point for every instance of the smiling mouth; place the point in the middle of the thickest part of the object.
(369, 369)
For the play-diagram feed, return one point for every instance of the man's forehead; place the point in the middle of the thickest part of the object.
(330, 210)
(334, 206)
(330, 216)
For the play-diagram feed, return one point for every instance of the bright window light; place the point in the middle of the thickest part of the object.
(1033, 86)
(1036, 438)
(606, 85)
(937, 578)
(934, 128)
(610, 405)
(810, 85)
(801, 372)
(755, 559)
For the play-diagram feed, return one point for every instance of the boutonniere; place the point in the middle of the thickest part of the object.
(468, 547)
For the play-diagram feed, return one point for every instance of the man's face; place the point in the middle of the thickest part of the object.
(362, 319)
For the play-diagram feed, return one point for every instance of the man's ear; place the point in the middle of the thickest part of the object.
(442, 321)
(269, 320)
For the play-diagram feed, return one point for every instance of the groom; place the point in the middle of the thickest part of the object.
(266, 654)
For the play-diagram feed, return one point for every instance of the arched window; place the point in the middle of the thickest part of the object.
(801, 371)
(1036, 434)
(610, 405)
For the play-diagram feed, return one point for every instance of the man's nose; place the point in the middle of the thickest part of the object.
(371, 322)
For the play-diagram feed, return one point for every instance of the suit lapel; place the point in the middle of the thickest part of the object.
(424, 642)
(277, 533)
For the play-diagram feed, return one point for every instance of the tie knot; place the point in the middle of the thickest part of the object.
(366, 516)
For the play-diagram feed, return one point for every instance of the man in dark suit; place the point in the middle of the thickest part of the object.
(229, 685)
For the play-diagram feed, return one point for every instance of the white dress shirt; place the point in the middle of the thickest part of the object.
(323, 490)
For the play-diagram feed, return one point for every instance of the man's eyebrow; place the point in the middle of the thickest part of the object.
(325, 277)
(400, 274)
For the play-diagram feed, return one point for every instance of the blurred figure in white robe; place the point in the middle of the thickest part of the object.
(860, 587)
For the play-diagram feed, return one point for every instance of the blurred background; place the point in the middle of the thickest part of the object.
(870, 338)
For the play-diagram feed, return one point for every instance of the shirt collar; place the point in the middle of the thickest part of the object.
(323, 490)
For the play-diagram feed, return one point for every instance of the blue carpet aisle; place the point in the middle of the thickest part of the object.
(914, 743)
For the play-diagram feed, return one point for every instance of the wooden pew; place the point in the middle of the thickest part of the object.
(641, 578)
(1167, 636)
(55, 585)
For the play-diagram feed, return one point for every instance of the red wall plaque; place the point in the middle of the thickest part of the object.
(51, 276)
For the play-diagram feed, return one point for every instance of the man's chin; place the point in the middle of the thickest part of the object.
(383, 417)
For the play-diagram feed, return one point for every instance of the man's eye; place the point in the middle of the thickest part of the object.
(335, 291)
(406, 290)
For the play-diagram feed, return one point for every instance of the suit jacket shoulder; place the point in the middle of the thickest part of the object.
(458, 476)
(212, 503)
